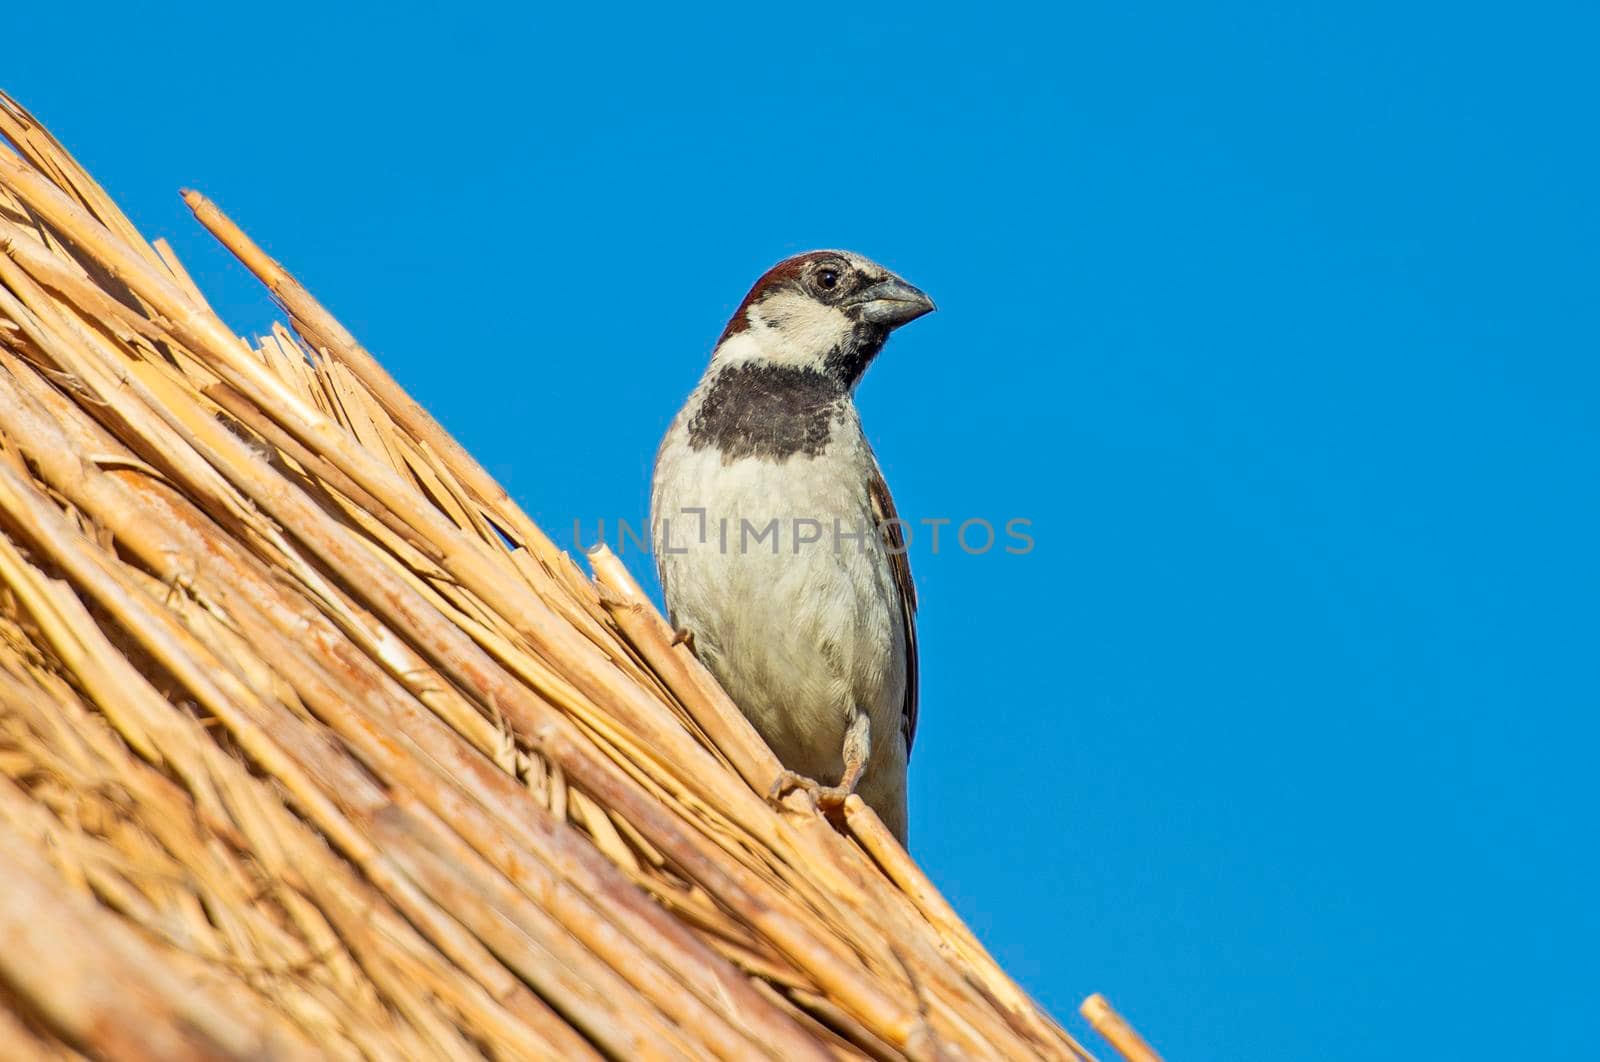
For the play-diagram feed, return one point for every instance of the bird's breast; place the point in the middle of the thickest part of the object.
(778, 569)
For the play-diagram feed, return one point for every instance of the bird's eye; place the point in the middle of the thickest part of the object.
(828, 279)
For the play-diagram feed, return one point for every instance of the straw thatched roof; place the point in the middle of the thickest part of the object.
(312, 744)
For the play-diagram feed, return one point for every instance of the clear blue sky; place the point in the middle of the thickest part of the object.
(1280, 325)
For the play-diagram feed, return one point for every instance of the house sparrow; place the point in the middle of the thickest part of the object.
(778, 546)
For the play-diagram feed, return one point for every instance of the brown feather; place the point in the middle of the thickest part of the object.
(889, 526)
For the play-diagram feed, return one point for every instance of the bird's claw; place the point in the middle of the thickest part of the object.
(828, 797)
(787, 781)
(831, 797)
(683, 636)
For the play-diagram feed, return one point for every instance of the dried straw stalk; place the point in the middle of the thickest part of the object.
(1099, 1012)
(311, 743)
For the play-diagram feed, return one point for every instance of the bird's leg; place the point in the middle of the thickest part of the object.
(683, 636)
(834, 796)
(857, 744)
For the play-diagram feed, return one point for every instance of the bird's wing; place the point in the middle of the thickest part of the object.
(894, 539)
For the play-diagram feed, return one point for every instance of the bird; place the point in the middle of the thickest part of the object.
(783, 563)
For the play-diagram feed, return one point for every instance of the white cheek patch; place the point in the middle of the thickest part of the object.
(788, 329)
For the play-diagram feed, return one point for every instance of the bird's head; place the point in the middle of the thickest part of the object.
(828, 311)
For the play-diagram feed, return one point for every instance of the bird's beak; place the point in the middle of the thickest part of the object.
(891, 303)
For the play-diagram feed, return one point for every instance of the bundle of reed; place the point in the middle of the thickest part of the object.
(312, 744)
